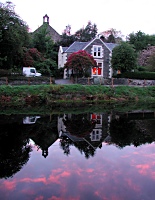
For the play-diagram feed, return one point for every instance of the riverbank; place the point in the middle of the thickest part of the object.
(34, 95)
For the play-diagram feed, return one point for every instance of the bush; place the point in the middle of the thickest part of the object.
(137, 75)
(141, 68)
(4, 72)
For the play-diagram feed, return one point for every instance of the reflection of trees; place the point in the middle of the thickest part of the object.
(85, 148)
(79, 125)
(126, 132)
(82, 146)
(14, 151)
(65, 144)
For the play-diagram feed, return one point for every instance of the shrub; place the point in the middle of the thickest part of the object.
(137, 75)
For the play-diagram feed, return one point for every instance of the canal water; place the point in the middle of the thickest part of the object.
(86, 156)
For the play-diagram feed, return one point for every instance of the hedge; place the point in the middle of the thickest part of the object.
(137, 75)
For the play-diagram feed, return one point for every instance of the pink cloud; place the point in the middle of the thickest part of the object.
(132, 185)
(35, 180)
(90, 170)
(57, 175)
(39, 198)
(143, 168)
(54, 198)
(9, 185)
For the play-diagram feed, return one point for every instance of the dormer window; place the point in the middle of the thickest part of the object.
(97, 51)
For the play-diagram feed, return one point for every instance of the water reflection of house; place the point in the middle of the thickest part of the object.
(95, 138)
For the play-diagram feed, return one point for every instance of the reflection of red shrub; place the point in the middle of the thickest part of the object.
(32, 99)
(79, 127)
(5, 99)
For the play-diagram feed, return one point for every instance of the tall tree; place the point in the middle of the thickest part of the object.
(13, 36)
(123, 57)
(86, 34)
(141, 40)
(44, 44)
(112, 36)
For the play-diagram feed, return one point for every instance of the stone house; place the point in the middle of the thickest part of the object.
(100, 50)
(55, 36)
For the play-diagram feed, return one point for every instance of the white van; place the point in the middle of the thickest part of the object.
(30, 72)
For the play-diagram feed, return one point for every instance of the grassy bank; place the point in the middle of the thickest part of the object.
(49, 95)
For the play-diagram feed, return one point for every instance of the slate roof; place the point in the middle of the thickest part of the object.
(64, 48)
(111, 45)
(76, 46)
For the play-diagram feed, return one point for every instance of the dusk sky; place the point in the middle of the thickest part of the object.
(126, 16)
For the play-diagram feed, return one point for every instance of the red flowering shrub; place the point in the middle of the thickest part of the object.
(80, 61)
(32, 55)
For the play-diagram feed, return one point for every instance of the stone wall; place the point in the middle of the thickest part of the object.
(26, 81)
(115, 81)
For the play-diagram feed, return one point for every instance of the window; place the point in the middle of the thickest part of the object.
(98, 71)
(32, 70)
(97, 51)
(96, 135)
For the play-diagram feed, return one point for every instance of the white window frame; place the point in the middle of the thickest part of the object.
(98, 61)
(96, 135)
(96, 52)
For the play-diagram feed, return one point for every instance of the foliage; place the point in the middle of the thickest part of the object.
(125, 132)
(30, 56)
(137, 75)
(151, 63)
(13, 36)
(80, 123)
(66, 40)
(86, 34)
(16, 152)
(123, 57)
(111, 36)
(42, 41)
(141, 40)
(45, 45)
(80, 62)
(146, 57)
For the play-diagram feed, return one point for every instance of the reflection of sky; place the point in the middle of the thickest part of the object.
(112, 174)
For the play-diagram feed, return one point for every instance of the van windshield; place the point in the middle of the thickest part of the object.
(32, 70)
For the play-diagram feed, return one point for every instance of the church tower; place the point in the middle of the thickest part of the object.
(46, 19)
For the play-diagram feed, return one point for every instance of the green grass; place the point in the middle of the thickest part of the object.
(66, 93)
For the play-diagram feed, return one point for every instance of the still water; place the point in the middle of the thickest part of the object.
(87, 156)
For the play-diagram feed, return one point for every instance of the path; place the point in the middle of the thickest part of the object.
(63, 81)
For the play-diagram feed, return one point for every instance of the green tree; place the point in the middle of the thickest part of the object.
(13, 36)
(86, 34)
(141, 40)
(123, 57)
(66, 40)
(45, 45)
(43, 42)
